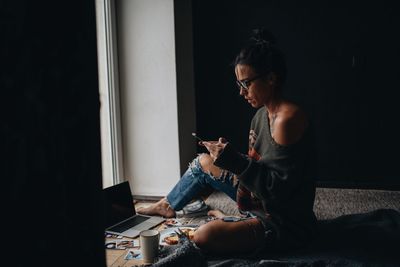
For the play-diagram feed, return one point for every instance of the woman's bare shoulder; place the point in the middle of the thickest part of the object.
(291, 123)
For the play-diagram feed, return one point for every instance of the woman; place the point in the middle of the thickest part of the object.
(273, 184)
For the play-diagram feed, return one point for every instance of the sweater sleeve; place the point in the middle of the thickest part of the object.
(272, 179)
(232, 160)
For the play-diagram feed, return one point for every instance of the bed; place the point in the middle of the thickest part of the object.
(356, 228)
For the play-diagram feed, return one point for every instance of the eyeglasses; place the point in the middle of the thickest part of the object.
(246, 82)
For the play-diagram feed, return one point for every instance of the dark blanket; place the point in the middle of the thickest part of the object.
(367, 239)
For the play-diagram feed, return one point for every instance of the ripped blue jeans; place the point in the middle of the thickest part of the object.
(195, 180)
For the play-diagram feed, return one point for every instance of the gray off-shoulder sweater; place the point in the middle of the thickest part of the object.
(280, 178)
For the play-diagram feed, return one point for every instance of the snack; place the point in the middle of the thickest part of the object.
(188, 232)
(173, 238)
(171, 222)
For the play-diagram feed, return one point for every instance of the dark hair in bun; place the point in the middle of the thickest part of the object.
(262, 37)
(262, 55)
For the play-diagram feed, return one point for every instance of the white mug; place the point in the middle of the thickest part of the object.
(149, 241)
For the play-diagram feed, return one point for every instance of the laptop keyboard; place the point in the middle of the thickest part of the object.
(128, 224)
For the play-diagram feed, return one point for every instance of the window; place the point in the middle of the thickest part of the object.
(139, 95)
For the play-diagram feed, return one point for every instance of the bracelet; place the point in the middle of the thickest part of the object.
(233, 219)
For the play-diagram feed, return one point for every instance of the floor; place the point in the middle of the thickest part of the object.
(329, 202)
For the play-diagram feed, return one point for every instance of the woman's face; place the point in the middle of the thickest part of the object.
(259, 91)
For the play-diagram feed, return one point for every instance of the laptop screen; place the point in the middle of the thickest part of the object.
(118, 203)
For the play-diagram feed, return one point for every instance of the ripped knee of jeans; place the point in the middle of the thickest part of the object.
(196, 166)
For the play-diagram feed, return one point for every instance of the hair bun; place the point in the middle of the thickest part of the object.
(263, 37)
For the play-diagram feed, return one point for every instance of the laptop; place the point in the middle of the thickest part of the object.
(120, 215)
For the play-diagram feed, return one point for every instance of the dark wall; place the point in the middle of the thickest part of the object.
(51, 172)
(343, 68)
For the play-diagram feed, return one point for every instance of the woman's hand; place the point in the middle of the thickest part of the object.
(215, 147)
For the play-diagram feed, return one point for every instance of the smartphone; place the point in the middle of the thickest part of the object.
(198, 138)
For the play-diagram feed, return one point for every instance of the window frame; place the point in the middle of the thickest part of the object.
(111, 138)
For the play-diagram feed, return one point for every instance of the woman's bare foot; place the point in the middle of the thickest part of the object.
(216, 213)
(161, 208)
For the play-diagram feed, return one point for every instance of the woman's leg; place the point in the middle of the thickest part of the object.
(200, 176)
(230, 237)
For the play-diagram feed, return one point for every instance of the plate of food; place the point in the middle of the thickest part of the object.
(170, 237)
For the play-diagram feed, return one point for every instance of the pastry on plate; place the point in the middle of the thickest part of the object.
(173, 238)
